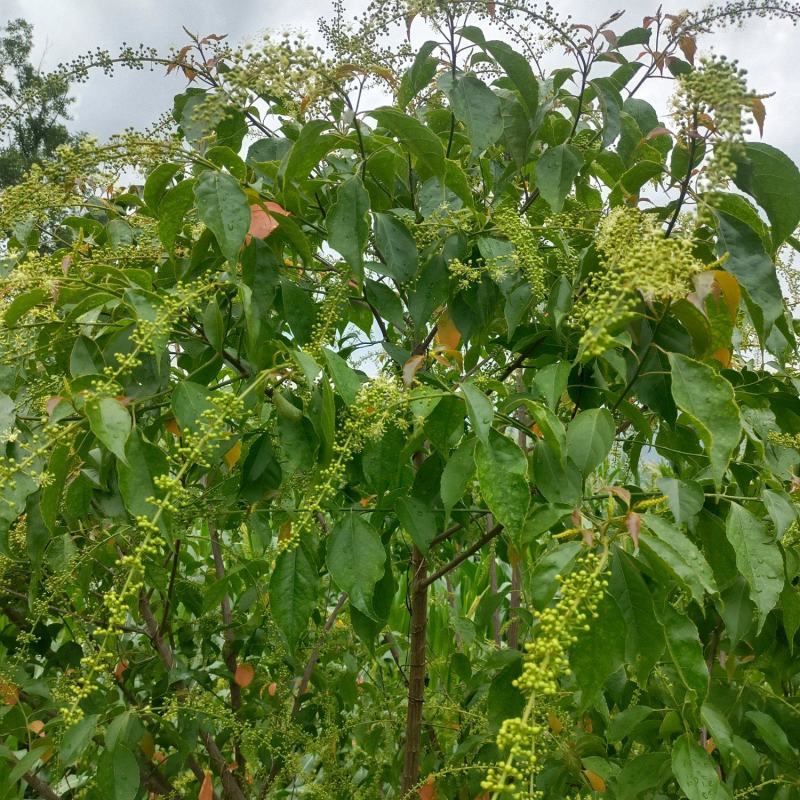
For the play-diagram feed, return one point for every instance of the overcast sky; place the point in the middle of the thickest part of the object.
(64, 28)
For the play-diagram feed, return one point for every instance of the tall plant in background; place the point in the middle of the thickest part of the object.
(33, 108)
(447, 447)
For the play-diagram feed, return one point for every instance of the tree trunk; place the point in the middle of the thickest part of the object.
(416, 673)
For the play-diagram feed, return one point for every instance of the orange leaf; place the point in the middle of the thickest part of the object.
(37, 726)
(285, 531)
(730, 289)
(723, 355)
(428, 790)
(262, 222)
(172, 427)
(411, 368)
(447, 334)
(594, 780)
(207, 789)
(710, 746)
(244, 675)
(233, 455)
(272, 689)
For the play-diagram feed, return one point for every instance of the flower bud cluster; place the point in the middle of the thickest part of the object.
(639, 263)
(544, 664)
(527, 253)
(380, 403)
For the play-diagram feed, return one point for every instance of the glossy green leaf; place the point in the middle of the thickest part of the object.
(480, 410)
(223, 207)
(501, 468)
(110, 423)
(348, 224)
(758, 558)
(356, 560)
(694, 771)
(396, 246)
(555, 172)
(293, 592)
(708, 399)
(589, 438)
(478, 108)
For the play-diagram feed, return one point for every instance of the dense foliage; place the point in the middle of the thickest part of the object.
(443, 446)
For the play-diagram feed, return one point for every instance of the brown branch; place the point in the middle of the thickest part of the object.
(40, 787)
(170, 589)
(230, 785)
(302, 687)
(464, 555)
(416, 679)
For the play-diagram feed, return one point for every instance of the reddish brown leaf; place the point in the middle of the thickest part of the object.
(272, 689)
(244, 675)
(428, 790)
(688, 45)
(759, 113)
(610, 37)
(262, 220)
(119, 670)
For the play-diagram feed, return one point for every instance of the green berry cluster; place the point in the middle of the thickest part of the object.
(546, 661)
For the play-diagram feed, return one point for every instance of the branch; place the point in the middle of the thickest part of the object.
(40, 787)
(464, 555)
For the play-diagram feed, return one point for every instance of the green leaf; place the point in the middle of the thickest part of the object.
(189, 402)
(634, 36)
(679, 553)
(622, 724)
(772, 735)
(356, 560)
(223, 207)
(719, 728)
(118, 774)
(772, 179)
(110, 423)
(419, 75)
(685, 498)
(417, 518)
(642, 773)
(156, 184)
(293, 591)
(610, 105)
(311, 146)
(261, 471)
(478, 108)
(479, 409)
(502, 469)
(644, 641)
(347, 381)
(172, 208)
(758, 558)
(600, 651)
(21, 304)
(589, 438)
(143, 463)
(685, 650)
(396, 246)
(708, 399)
(749, 263)
(555, 172)
(694, 770)
(348, 224)
(214, 326)
(76, 739)
(457, 472)
(419, 140)
(515, 65)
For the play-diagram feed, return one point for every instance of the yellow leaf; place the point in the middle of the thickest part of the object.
(730, 289)
(554, 722)
(411, 368)
(447, 334)
(759, 113)
(233, 455)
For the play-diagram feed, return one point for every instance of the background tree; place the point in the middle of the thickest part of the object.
(442, 445)
(34, 105)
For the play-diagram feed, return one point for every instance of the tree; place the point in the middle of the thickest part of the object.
(442, 447)
(34, 106)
